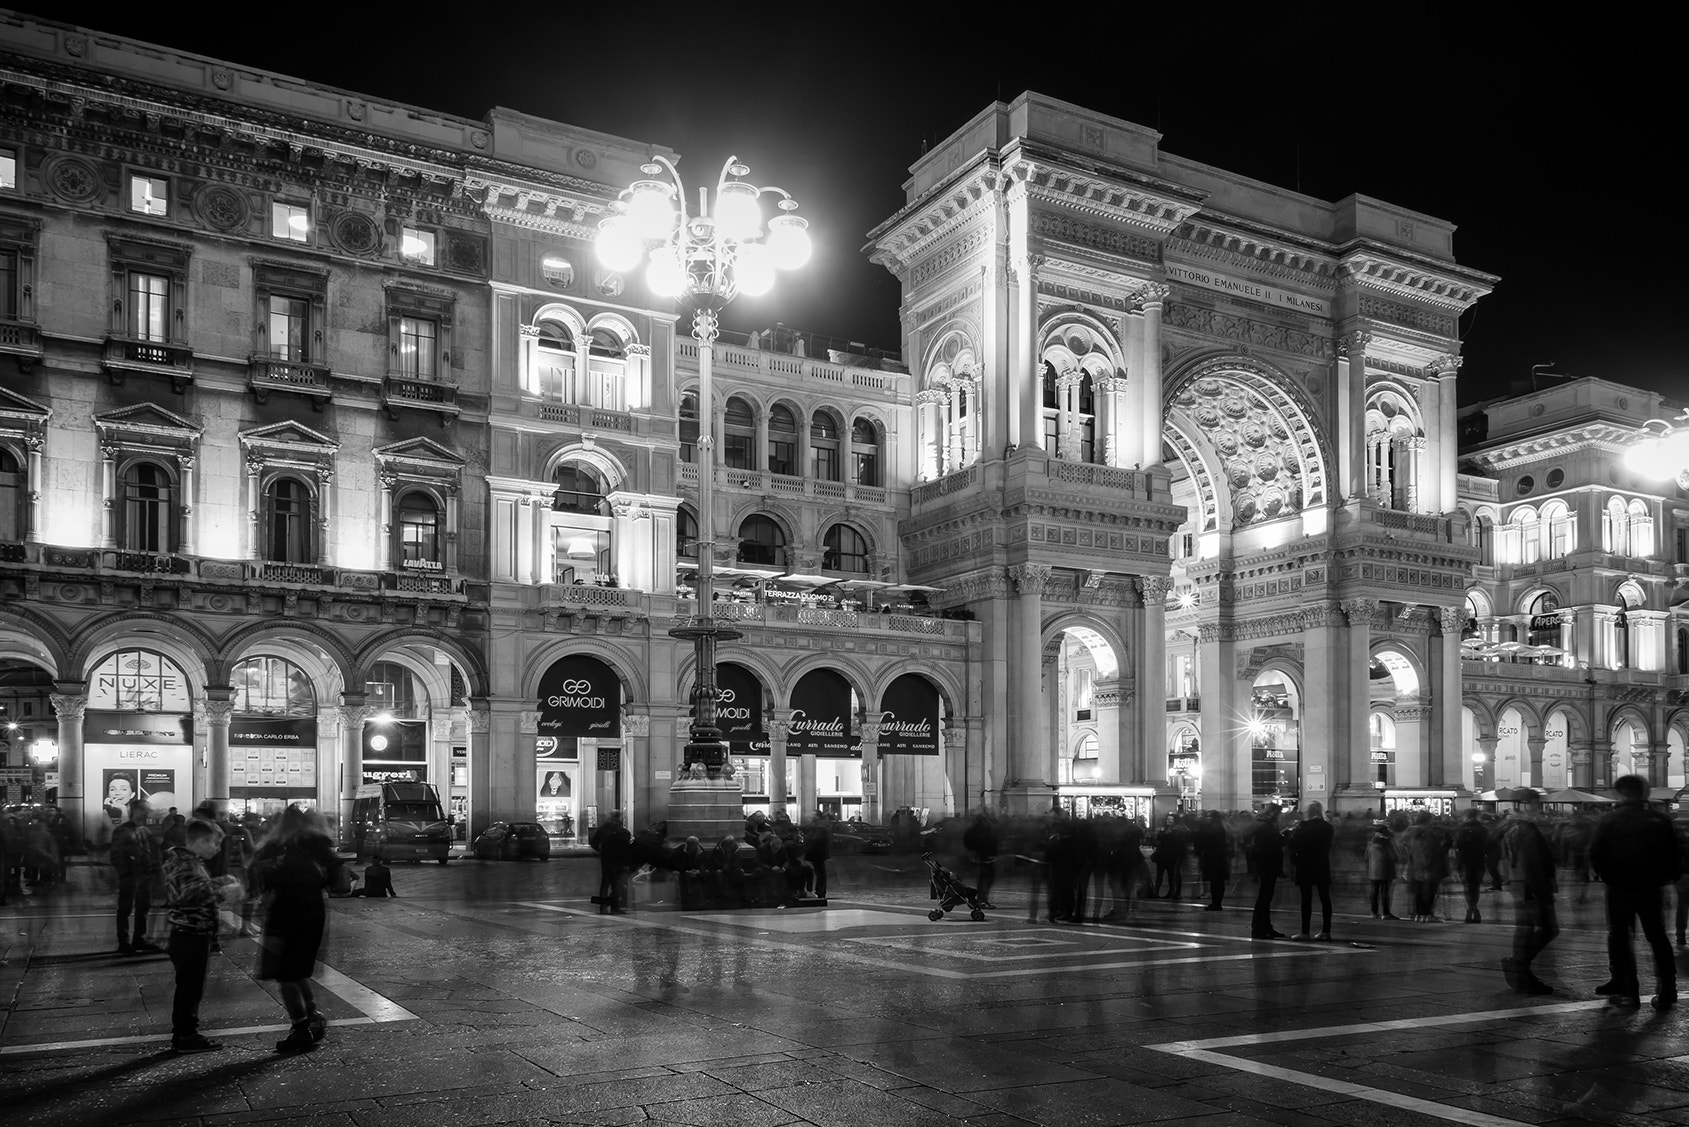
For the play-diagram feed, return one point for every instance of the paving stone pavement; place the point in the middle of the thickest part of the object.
(494, 993)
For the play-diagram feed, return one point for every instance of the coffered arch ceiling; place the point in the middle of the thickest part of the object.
(1251, 437)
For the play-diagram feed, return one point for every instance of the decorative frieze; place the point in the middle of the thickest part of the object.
(1113, 240)
(1245, 331)
(1407, 316)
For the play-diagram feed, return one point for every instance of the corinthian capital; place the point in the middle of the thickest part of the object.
(1361, 612)
(69, 706)
(1154, 589)
(1318, 615)
(217, 712)
(1354, 345)
(1445, 365)
(1030, 579)
(1154, 294)
(1452, 619)
(634, 724)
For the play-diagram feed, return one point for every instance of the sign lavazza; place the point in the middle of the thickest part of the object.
(324, 436)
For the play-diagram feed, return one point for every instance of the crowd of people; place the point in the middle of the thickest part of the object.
(775, 863)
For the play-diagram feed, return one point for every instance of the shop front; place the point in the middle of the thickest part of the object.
(272, 763)
(137, 740)
(1095, 801)
(395, 751)
(577, 746)
(823, 707)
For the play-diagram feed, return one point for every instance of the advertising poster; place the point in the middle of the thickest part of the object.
(821, 722)
(274, 752)
(910, 717)
(738, 709)
(580, 696)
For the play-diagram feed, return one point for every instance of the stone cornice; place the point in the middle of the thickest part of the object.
(1452, 288)
(1607, 438)
(1248, 254)
(902, 239)
(1106, 193)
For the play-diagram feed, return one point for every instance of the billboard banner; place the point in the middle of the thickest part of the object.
(739, 709)
(821, 722)
(580, 696)
(910, 717)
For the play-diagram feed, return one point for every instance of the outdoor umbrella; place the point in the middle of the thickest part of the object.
(1572, 796)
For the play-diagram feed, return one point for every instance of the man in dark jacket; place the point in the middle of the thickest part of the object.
(1635, 855)
(1471, 845)
(983, 841)
(136, 860)
(1213, 857)
(614, 845)
(817, 840)
(1310, 852)
(1528, 862)
(1266, 857)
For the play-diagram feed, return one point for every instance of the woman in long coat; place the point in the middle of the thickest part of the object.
(296, 866)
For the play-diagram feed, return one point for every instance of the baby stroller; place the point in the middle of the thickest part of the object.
(951, 891)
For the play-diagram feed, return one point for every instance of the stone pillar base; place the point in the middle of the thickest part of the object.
(1028, 798)
(709, 809)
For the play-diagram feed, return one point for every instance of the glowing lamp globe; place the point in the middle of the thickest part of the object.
(619, 247)
(651, 209)
(665, 275)
(754, 270)
(737, 215)
(788, 241)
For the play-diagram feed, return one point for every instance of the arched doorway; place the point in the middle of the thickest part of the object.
(1512, 757)
(577, 746)
(1082, 686)
(1556, 751)
(1274, 728)
(1631, 747)
(137, 739)
(29, 731)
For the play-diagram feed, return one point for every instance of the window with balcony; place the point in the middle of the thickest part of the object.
(1561, 533)
(844, 549)
(288, 505)
(579, 490)
(762, 542)
(149, 307)
(9, 278)
(557, 375)
(865, 452)
(149, 509)
(416, 520)
(148, 195)
(290, 221)
(689, 427)
(289, 328)
(824, 446)
(14, 497)
(783, 441)
(739, 435)
(418, 348)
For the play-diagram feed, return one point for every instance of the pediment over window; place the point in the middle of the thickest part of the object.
(289, 442)
(21, 415)
(147, 424)
(420, 458)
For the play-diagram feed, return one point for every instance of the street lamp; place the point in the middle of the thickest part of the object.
(1379, 785)
(1478, 760)
(703, 261)
(1661, 451)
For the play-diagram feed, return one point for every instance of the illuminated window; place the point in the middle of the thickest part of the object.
(272, 686)
(289, 221)
(287, 521)
(148, 509)
(417, 348)
(290, 328)
(14, 497)
(418, 527)
(417, 245)
(865, 452)
(8, 169)
(148, 195)
(689, 427)
(762, 541)
(739, 435)
(149, 306)
(824, 446)
(578, 490)
(783, 441)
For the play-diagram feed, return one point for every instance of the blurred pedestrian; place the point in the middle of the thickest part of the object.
(613, 843)
(1634, 852)
(192, 895)
(1527, 863)
(1381, 869)
(818, 850)
(983, 841)
(1310, 855)
(1213, 857)
(296, 866)
(1266, 859)
(135, 861)
(1471, 844)
(1427, 845)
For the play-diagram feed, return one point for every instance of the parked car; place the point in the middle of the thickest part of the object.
(860, 837)
(506, 841)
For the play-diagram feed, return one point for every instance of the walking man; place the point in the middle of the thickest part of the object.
(135, 859)
(1527, 861)
(1266, 857)
(1471, 843)
(1635, 855)
(1213, 857)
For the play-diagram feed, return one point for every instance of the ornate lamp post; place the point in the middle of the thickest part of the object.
(703, 261)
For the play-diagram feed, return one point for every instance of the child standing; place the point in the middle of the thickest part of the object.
(192, 895)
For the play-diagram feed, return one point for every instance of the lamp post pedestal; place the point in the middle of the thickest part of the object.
(706, 800)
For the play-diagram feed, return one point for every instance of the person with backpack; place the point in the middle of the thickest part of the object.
(1471, 846)
(1634, 852)
(296, 866)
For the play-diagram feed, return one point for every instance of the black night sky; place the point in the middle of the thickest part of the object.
(1552, 147)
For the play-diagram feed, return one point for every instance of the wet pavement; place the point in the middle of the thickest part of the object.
(494, 992)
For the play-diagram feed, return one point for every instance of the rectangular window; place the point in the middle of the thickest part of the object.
(8, 169)
(289, 221)
(737, 451)
(826, 463)
(149, 306)
(417, 538)
(290, 323)
(8, 285)
(148, 195)
(416, 348)
(417, 245)
(783, 458)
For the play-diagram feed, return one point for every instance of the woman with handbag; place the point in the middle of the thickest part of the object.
(296, 865)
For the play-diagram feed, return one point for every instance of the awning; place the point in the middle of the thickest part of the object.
(1580, 797)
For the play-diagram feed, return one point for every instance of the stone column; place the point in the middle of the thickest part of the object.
(1030, 408)
(1533, 758)
(1448, 755)
(543, 563)
(1582, 754)
(1487, 745)
(325, 516)
(1116, 444)
(1067, 415)
(1659, 760)
(70, 702)
(1151, 664)
(1351, 415)
(644, 793)
(976, 428)
(1356, 686)
(36, 487)
(1222, 724)
(870, 733)
(760, 457)
(109, 500)
(1447, 470)
(190, 527)
(528, 378)
(219, 707)
(777, 763)
(952, 433)
(384, 560)
(525, 553)
(1324, 720)
(1132, 428)
(1029, 758)
(1153, 297)
(353, 713)
(255, 509)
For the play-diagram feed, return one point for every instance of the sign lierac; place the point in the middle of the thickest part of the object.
(909, 717)
(821, 723)
(580, 696)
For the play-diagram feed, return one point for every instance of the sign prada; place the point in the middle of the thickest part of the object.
(1254, 291)
(909, 717)
(580, 696)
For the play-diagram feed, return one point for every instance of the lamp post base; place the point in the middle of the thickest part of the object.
(708, 809)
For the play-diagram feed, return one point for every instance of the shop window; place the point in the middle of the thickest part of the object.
(393, 689)
(417, 521)
(783, 441)
(844, 549)
(288, 505)
(149, 509)
(865, 452)
(272, 686)
(739, 435)
(762, 542)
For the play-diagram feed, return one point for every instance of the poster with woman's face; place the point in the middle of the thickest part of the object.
(120, 789)
(156, 786)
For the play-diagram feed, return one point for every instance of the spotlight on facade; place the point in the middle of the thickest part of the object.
(1661, 450)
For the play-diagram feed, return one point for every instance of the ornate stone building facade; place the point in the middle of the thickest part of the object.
(1577, 640)
(1187, 449)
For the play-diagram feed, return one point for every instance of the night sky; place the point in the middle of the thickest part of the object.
(1555, 149)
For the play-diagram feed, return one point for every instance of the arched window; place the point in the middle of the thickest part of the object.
(783, 441)
(686, 534)
(416, 525)
(1051, 405)
(1087, 419)
(1615, 528)
(865, 452)
(558, 374)
(1558, 530)
(824, 446)
(739, 436)
(287, 521)
(272, 686)
(1544, 627)
(14, 496)
(149, 509)
(1486, 541)
(394, 689)
(1530, 534)
(609, 345)
(1641, 529)
(578, 490)
(844, 549)
(762, 541)
(689, 427)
